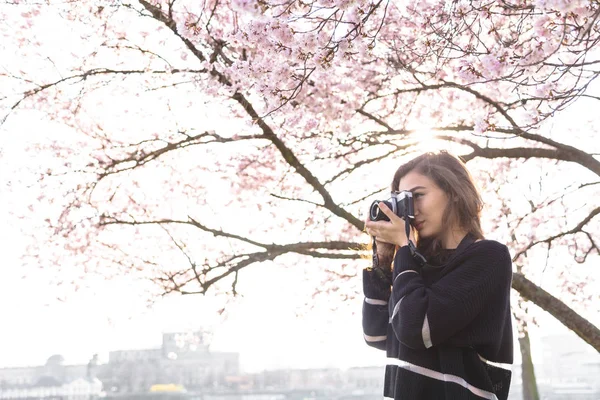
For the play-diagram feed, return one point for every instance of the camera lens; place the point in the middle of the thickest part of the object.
(375, 213)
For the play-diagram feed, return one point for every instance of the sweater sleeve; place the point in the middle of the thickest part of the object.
(375, 314)
(425, 316)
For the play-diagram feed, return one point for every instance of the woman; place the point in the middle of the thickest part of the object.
(445, 325)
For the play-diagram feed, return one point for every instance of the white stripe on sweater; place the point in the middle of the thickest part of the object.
(396, 309)
(426, 333)
(496, 364)
(375, 302)
(374, 338)
(442, 377)
(404, 272)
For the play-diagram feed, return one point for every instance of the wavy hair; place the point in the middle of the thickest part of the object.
(464, 201)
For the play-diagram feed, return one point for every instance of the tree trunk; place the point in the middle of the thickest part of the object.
(530, 390)
(559, 310)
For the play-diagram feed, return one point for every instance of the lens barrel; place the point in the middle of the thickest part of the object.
(375, 213)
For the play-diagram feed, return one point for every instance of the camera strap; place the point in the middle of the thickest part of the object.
(418, 257)
(375, 256)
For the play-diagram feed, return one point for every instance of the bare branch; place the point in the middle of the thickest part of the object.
(139, 157)
(300, 168)
(294, 247)
(578, 228)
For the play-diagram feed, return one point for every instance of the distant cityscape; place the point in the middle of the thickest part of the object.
(184, 367)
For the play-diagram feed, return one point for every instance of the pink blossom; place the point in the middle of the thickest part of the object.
(311, 124)
(492, 67)
(481, 125)
(249, 6)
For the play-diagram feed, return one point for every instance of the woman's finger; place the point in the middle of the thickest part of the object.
(369, 228)
(386, 210)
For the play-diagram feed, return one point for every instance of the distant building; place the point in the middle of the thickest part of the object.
(22, 376)
(182, 360)
(183, 368)
(79, 389)
(54, 380)
(365, 378)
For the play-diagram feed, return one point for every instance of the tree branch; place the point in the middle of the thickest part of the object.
(549, 240)
(94, 72)
(140, 157)
(293, 161)
(268, 132)
(559, 310)
(574, 154)
(293, 247)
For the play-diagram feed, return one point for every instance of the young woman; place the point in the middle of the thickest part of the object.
(445, 325)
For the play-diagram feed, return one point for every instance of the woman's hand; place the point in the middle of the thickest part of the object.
(392, 231)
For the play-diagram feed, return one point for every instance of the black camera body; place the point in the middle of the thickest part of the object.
(401, 203)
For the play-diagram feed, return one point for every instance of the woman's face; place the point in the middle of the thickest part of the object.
(430, 201)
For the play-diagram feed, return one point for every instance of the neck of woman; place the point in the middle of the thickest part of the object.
(453, 238)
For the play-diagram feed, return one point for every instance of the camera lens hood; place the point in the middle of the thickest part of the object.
(375, 213)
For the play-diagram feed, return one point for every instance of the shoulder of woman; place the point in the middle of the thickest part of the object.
(491, 248)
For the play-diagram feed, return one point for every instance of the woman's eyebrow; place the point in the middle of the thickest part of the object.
(417, 187)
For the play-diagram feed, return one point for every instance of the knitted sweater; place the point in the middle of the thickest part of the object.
(446, 331)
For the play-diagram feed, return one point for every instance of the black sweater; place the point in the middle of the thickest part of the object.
(447, 331)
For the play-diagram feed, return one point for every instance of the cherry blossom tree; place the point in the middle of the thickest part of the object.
(193, 139)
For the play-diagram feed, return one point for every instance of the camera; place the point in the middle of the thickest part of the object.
(401, 203)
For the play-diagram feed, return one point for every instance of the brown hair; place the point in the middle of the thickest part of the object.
(464, 201)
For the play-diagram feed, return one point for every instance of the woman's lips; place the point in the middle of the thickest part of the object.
(418, 225)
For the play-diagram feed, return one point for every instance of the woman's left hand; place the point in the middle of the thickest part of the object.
(392, 231)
